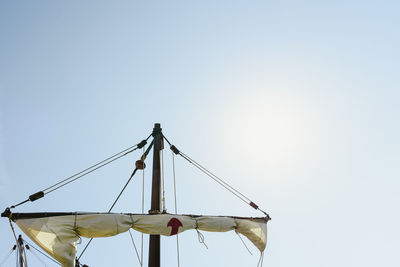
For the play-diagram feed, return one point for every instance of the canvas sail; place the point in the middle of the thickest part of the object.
(58, 233)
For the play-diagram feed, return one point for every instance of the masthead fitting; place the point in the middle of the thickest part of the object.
(157, 129)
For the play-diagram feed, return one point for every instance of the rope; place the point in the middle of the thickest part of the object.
(25, 258)
(201, 238)
(6, 257)
(123, 189)
(176, 207)
(134, 245)
(221, 182)
(244, 243)
(216, 179)
(260, 261)
(141, 245)
(16, 241)
(112, 206)
(50, 258)
(125, 150)
(86, 171)
(12, 228)
(162, 180)
(37, 257)
(173, 170)
(142, 158)
(224, 184)
(177, 250)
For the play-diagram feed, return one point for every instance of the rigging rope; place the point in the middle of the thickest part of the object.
(216, 178)
(7, 255)
(141, 245)
(261, 260)
(134, 245)
(16, 241)
(162, 181)
(80, 174)
(37, 257)
(176, 207)
(201, 238)
(244, 243)
(50, 258)
(112, 206)
(173, 170)
(123, 189)
(86, 173)
(132, 148)
(24, 257)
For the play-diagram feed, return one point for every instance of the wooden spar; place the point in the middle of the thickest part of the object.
(154, 245)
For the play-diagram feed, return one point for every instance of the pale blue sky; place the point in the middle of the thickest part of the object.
(296, 103)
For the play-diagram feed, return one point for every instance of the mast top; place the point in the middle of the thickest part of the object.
(157, 129)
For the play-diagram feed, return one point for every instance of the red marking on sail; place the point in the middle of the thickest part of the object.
(175, 224)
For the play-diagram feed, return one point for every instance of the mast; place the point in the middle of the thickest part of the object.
(21, 252)
(154, 246)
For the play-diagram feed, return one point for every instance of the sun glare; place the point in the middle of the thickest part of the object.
(275, 128)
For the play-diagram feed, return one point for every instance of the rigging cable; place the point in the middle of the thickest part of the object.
(16, 241)
(123, 189)
(8, 255)
(162, 181)
(139, 165)
(141, 245)
(24, 256)
(173, 170)
(261, 260)
(176, 207)
(112, 206)
(134, 245)
(216, 178)
(80, 174)
(244, 243)
(50, 258)
(37, 257)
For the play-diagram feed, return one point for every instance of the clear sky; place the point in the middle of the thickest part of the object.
(295, 103)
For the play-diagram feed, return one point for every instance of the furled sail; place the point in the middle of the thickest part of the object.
(57, 233)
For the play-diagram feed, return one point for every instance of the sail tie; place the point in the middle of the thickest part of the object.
(76, 230)
(200, 236)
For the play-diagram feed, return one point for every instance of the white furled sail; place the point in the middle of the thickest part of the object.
(57, 233)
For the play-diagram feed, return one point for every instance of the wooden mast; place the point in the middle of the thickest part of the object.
(21, 252)
(154, 245)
